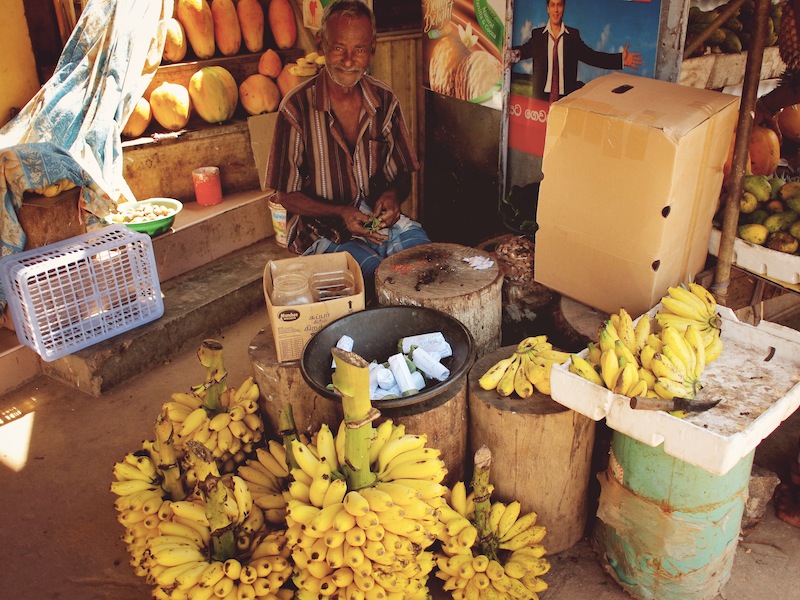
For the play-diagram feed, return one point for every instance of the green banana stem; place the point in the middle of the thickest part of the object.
(168, 462)
(487, 541)
(210, 356)
(288, 432)
(223, 542)
(202, 459)
(351, 380)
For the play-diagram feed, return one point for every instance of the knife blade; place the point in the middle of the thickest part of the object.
(640, 403)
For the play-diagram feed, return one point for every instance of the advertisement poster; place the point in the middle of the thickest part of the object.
(463, 49)
(610, 27)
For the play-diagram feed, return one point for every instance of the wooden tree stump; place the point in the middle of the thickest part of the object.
(282, 383)
(436, 276)
(577, 323)
(542, 453)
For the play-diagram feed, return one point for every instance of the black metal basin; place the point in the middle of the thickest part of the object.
(375, 332)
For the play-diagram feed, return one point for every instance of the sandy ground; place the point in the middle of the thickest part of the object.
(60, 537)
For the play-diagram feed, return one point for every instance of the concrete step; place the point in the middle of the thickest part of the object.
(210, 266)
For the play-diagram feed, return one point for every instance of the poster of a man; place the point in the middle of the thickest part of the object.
(556, 52)
(593, 38)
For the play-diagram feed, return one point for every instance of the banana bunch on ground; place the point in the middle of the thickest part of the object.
(267, 476)
(308, 65)
(230, 430)
(507, 562)
(179, 563)
(369, 542)
(660, 357)
(139, 503)
(528, 368)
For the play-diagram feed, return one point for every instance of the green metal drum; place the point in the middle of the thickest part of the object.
(668, 529)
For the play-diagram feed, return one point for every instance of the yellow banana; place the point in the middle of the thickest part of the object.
(193, 421)
(646, 356)
(669, 389)
(594, 353)
(355, 503)
(522, 385)
(492, 377)
(676, 341)
(326, 446)
(533, 371)
(694, 339)
(304, 457)
(654, 342)
(714, 349)
(509, 517)
(272, 464)
(335, 492)
(682, 294)
(506, 384)
(522, 523)
(639, 388)
(528, 537)
(627, 379)
(458, 497)
(641, 330)
(319, 484)
(704, 295)
(394, 448)
(582, 367)
(647, 376)
(622, 351)
(625, 330)
(664, 369)
(556, 356)
(609, 368)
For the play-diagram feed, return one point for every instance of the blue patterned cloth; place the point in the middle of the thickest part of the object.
(71, 128)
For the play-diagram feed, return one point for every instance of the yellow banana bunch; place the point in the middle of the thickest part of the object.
(527, 369)
(349, 542)
(516, 572)
(691, 305)
(308, 65)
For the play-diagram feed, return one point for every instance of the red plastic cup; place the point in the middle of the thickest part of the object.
(207, 186)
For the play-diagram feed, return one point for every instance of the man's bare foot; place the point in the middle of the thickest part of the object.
(787, 497)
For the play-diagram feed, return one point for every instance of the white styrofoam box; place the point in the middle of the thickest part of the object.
(71, 294)
(756, 377)
(759, 260)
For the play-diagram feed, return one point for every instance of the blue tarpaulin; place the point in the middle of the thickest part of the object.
(71, 128)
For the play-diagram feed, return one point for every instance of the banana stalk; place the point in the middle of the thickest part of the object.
(167, 461)
(288, 432)
(223, 540)
(210, 356)
(351, 380)
(487, 541)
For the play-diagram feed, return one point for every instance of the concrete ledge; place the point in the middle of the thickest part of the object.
(197, 304)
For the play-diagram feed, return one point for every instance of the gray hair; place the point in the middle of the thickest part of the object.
(348, 8)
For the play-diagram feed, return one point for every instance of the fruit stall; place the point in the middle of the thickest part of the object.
(407, 450)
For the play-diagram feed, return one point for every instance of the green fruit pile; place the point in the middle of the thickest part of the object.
(769, 213)
(735, 34)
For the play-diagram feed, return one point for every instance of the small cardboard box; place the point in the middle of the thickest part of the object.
(632, 176)
(293, 326)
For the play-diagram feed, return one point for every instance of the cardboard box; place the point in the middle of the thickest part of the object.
(294, 325)
(632, 176)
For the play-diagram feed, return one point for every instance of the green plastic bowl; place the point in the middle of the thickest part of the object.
(156, 226)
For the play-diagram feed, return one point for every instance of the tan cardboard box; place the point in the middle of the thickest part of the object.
(293, 326)
(632, 176)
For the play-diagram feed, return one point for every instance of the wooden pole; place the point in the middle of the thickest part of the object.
(752, 75)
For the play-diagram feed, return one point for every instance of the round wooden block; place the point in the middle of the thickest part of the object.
(282, 383)
(436, 276)
(541, 454)
(577, 323)
(443, 419)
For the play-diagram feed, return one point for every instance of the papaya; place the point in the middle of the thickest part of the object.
(259, 94)
(251, 22)
(789, 123)
(198, 22)
(270, 64)
(214, 94)
(175, 43)
(171, 105)
(765, 150)
(139, 119)
(227, 32)
(282, 23)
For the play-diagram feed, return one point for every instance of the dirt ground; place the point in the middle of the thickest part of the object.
(60, 537)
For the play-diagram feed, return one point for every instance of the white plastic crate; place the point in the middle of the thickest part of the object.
(755, 378)
(759, 259)
(66, 296)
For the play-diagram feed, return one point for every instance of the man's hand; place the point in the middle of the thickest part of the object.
(632, 60)
(358, 223)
